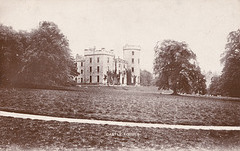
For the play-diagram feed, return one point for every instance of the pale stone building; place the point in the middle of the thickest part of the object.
(96, 66)
(121, 69)
(131, 54)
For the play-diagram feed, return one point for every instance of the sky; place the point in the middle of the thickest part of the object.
(110, 24)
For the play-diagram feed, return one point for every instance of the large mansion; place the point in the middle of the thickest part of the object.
(101, 66)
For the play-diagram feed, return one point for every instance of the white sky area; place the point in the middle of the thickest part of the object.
(110, 24)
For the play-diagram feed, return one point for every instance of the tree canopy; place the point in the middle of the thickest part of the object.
(230, 78)
(214, 88)
(39, 57)
(12, 47)
(145, 78)
(176, 68)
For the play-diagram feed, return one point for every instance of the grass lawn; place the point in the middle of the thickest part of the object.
(25, 134)
(122, 104)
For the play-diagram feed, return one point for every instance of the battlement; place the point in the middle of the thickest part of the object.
(79, 58)
(94, 51)
(131, 47)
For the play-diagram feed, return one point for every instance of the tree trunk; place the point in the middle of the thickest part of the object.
(174, 91)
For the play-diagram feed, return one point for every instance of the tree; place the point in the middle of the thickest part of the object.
(129, 77)
(39, 57)
(110, 77)
(199, 82)
(47, 59)
(176, 68)
(11, 50)
(230, 78)
(215, 86)
(145, 78)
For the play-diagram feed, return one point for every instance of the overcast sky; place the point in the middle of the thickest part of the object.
(110, 24)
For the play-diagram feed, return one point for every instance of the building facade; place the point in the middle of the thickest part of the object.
(100, 66)
(131, 54)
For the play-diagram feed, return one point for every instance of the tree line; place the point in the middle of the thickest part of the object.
(228, 83)
(176, 68)
(40, 57)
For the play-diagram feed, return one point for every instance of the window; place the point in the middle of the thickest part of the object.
(98, 79)
(108, 60)
(90, 60)
(132, 52)
(90, 79)
(98, 69)
(119, 65)
(90, 69)
(108, 68)
(132, 69)
(97, 59)
(81, 71)
(81, 64)
(138, 61)
(132, 60)
(81, 80)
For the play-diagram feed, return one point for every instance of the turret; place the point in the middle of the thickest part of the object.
(131, 53)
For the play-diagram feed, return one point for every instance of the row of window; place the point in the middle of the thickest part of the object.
(133, 60)
(98, 79)
(91, 79)
(108, 61)
(98, 69)
(98, 60)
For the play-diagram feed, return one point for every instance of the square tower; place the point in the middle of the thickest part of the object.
(131, 53)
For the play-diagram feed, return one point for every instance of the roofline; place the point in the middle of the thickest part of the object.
(99, 54)
(132, 49)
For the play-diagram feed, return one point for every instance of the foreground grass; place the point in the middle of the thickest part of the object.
(34, 134)
(122, 104)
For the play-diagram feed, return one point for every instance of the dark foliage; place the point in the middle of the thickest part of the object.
(12, 46)
(228, 84)
(40, 57)
(214, 88)
(129, 76)
(145, 78)
(176, 68)
(230, 78)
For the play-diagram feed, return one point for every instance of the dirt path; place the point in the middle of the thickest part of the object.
(130, 124)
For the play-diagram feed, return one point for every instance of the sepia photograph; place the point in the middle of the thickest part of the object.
(127, 75)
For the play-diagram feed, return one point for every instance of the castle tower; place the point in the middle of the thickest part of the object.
(131, 53)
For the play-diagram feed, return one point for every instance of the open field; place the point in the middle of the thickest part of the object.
(19, 134)
(122, 104)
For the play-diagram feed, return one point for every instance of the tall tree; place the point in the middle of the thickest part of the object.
(129, 77)
(215, 86)
(47, 60)
(199, 82)
(11, 50)
(176, 67)
(145, 78)
(230, 77)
